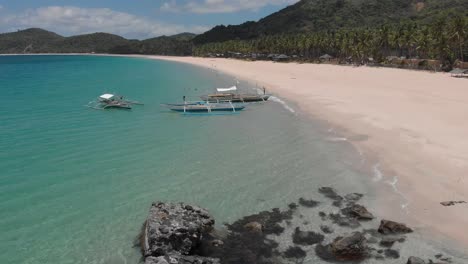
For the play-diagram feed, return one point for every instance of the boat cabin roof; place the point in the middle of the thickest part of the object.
(106, 96)
(233, 88)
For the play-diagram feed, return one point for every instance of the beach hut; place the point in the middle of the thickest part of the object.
(326, 57)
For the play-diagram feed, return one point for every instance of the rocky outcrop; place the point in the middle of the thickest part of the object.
(173, 231)
(348, 248)
(390, 227)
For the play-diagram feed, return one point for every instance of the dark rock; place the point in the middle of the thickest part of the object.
(415, 260)
(174, 228)
(295, 252)
(389, 227)
(353, 197)
(347, 248)
(452, 203)
(268, 219)
(326, 229)
(308, 203)
(180, 259)
(292, 206)
(373, 240)
(358, 211)
(344, 221)
(306, 237)
(391, 253)
(438, 256)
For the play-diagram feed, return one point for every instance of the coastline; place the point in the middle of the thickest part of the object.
(412, 122)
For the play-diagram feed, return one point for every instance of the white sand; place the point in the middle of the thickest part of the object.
(416, 123)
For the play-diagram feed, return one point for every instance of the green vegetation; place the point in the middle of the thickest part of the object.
(352, 31)
(36, 40)
(444, 40)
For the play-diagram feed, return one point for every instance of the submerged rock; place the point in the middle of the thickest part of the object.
(330, 193)
(344, 221)
(349, 248)
(306, 237)
(415, 260)
(174, 228)
(353, 197)
(358, 211)
(391, 253)
(390, 227)
(326, 229)
(308, 203)
(295, 252)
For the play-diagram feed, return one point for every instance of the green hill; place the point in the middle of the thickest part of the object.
(36, 40)
(29, 40)
(323, 15)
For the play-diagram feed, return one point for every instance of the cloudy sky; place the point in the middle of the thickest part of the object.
(131, 18)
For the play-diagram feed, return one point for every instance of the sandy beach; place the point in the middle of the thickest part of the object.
(414, 123)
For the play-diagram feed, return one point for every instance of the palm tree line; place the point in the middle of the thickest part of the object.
(445, 40)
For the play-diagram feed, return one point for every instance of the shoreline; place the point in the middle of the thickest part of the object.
(413, 126)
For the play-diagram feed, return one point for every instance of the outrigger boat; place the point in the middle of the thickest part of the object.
(107, 101)
(205, 107)
(226, 94)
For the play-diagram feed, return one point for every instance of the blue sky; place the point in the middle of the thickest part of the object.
(132, 19)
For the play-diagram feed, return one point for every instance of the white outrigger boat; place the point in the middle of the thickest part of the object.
(230, 94)
(107, 101)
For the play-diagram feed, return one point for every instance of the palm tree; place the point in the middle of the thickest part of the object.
(458, 30)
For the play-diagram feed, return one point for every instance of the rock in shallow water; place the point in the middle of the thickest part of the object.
(390, 227)
(348, 248)
(358, 211)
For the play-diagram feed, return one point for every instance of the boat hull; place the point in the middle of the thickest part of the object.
(235, 99)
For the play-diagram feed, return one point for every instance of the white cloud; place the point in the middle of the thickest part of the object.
(219, 6)
(70, 20)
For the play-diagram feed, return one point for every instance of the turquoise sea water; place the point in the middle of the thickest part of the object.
(76, 183)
